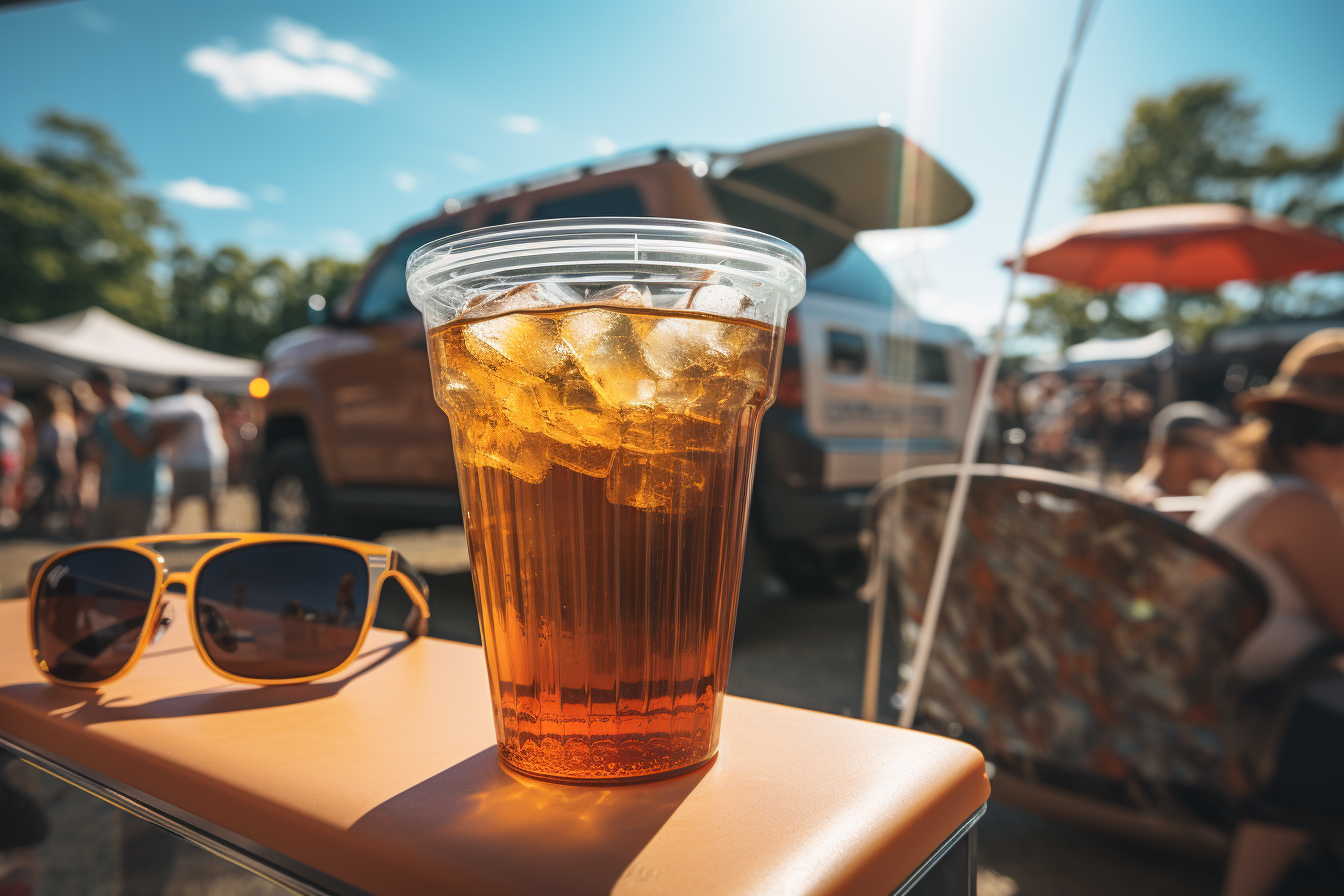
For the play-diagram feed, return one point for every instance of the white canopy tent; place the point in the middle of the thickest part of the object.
(66, 348)
(1121, 354)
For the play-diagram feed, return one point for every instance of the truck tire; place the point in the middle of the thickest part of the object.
(291, 493)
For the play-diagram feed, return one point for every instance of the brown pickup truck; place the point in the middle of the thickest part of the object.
(353, 442)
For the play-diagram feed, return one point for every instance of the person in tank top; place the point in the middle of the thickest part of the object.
(1278, 509)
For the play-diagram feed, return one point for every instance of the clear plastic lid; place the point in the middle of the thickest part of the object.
(693, 265)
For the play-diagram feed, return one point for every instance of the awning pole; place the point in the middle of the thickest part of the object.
(975, 427)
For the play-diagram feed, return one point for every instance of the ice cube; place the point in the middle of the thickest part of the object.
(482, 391)
(543, 294)
(496, 423)
(720, 299)
(676, 345)
(664, 460)
(487, 440)
(606, 350)
(626, 294)
(582, 434)
(518, 344)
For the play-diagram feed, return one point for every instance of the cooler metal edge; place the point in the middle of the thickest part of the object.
(260, 860)
(944, 849)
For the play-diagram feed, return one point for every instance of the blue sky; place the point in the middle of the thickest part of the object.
(302, 127)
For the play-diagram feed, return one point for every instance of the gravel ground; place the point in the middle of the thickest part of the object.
(801, 651)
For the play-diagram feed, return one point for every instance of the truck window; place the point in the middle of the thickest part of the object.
(618, 202)
(854, 275)
(846, 352)
(385, 296)
(923, 363)
(499, 217)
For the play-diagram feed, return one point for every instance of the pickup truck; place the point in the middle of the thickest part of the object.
(353, 442)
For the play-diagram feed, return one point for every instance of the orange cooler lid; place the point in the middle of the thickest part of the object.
(385, 777)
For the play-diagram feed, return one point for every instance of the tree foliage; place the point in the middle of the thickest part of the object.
(75, 233)
(1201, 143)
(1071, 314)
(231, 303)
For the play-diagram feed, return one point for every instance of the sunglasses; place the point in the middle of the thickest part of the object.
(262, 608)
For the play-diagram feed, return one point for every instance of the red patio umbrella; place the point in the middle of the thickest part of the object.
(1186, 247)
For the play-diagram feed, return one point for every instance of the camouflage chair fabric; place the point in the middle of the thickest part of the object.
(1078, 631)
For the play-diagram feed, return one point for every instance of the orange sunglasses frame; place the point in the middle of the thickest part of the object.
(417, 623)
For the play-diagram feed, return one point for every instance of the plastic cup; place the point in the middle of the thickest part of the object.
(605, 380)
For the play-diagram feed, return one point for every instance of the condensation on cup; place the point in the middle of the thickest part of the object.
(605, 380)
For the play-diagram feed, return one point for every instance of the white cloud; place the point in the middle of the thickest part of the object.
(300, 60)
(469, 164)
(344, 244)
(520, 124)
(271, 193)
(405, 181)
(603, 146)
(194, 191)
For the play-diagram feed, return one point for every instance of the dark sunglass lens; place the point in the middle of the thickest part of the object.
(282, 610)
(90, 611)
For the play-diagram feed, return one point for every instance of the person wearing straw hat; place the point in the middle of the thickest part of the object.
(1278, 509)
(1182, 451)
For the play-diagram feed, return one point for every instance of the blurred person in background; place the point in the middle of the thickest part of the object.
(1047, 408)
(1012, 422)
(87, 409)
(198, 453)
(1182, 453)
(1085, 423)
(56, 464)
(1120, 450)
(126, 443)
(1279, 510)
(16, 430)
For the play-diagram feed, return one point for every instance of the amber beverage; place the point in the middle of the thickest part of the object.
(605, 437)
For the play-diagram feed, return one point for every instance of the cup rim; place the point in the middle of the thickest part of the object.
(441, 261)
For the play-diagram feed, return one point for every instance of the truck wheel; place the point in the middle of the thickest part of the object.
(291, 494)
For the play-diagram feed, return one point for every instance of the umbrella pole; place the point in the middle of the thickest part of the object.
(975, 426)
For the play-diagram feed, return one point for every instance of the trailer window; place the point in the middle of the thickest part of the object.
(922, 362)
(846, 352)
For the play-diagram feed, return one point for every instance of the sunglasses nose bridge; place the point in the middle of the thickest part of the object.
(180, 579)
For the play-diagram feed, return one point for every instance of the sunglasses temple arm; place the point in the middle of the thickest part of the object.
(417, 621)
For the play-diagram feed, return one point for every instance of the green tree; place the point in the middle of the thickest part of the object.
(1071, 314)
(230, 303)
(73, 231)
(1201, 143)
(323, 276)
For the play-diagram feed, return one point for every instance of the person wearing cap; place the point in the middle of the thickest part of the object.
(1278, 510)
(1182, 452)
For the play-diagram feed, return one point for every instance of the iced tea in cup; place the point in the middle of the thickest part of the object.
(605, 380)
